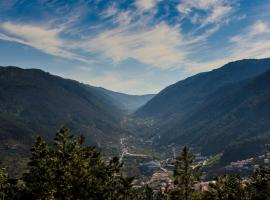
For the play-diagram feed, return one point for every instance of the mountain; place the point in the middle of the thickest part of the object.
(128, 103)
(225, 110)
(33, 102)
(187, 95)
(234, 116)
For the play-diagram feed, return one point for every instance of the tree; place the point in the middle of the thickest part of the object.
(228, 187)
(10, 189)
(39, 181)
(3, 183)
(260, 184)
(148, 193)
(186, 175)
(71, 170)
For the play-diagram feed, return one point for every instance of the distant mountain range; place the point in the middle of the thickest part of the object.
(33, 102)
(127, 103)
(224, 110)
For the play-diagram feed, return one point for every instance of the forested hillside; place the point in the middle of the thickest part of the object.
(226, 109)
(33, 102)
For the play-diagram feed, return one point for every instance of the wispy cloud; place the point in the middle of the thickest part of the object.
(46, 40)
(85, 68)
(109, 12)
(114, 82)
(133, 35)
(43, 39)
(159, 46)
(157, 35)
(251, 42)
(146, 5)
(254, 42)
(212, 11)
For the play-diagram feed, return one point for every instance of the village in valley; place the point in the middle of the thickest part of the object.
(157, 172)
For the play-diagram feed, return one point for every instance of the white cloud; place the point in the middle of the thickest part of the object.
(214, 11)
(136, 32)
(259, 28)
(161, 46)
(109, 12)
(254, 42)
(44, 39)
(186, 6)
(134, 36)
(123, 18)
(85, 68)
(146, 5)
(218, 13)
(114, 82)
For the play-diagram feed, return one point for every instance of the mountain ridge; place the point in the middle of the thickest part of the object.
(170, 97)
(128, 102)
(233, 110)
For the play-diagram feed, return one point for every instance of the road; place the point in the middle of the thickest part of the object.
(124, 150)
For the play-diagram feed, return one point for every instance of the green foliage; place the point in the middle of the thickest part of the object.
(163, 194)
(35, 103)
(225, 110)
(10, 189)
(185, 175)
(3, 183)
(214, 159)
(227, 188)
(148, 193)
(260, 184)
(70, 170)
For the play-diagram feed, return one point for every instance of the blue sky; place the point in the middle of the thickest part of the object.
(132, 46)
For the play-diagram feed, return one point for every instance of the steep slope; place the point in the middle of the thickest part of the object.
(235, 119)
(187, 95)
(33, 103)
(226, 109)
(128, 103)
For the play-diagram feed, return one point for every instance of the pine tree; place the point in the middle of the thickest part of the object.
(38, 180)
(229, 187)
(148, 193)
(162, 195)
(185, 175)
(9, 187)
(260, 184)
(71, 170)
(3, 183)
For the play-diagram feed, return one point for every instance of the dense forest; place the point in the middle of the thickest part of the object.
(69, 169)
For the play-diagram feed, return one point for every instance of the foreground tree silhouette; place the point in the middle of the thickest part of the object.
(70, 170)
(9, 187)
(186, 175)
(147, 193)
(230, 187)
(260, 184)
(3, 183)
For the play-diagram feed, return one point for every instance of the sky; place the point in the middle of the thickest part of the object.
(132, 46)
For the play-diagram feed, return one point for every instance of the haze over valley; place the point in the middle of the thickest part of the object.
(135, 99)
(221, 112)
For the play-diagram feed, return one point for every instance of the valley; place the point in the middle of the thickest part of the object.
(135, 100)
(222, 115)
